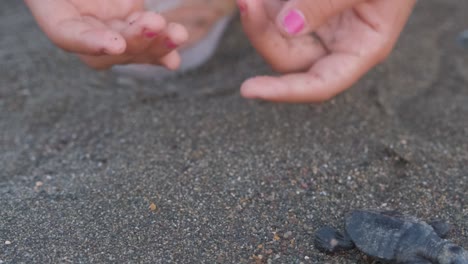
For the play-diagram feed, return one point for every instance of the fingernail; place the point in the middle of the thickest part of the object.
(149, 34)
(170, 44)
(293, 22)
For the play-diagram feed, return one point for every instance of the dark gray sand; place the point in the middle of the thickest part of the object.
(100, 169)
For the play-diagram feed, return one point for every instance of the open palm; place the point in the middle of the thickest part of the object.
(319, 65)
(108, 32)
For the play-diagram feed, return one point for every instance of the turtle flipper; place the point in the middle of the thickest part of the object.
(328, 240)
(441, 227)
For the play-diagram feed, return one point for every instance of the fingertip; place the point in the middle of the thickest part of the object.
(116, 45)
(253, 15)
(261, 87)
(177, 34)
(171, 61)
(102, 42)
(247, 90)
(289, 89)
(152, 23)
(141, 29)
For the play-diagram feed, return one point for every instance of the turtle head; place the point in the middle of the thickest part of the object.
(453, 254)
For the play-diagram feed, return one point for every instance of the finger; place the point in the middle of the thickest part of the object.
(176, 34)
(328, 77)
(71, 32)
(171, 61)
(161, 46)
(173, 37)
(197, 24)
(88, 36)
(257, 24)
(284, 55)
(142, 28)
(299, 17)
(104, 62)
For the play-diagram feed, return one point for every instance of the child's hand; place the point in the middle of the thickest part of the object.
(109, 32)
(350, 37)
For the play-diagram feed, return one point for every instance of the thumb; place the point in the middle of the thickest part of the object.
(299, 17)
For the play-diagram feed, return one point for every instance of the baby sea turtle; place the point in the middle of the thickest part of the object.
(393, 238)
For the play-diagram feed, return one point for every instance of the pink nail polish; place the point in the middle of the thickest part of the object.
(242, 7)
(293, 22)
(170, 44)
(150, 34)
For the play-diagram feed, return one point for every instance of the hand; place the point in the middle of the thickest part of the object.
(108, 32)
(323, 46)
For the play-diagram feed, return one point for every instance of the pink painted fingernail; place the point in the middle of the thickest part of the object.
(150, 34)
(242, 7)
(294, 22)
(170, 44)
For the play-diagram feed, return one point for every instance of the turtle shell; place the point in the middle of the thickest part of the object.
(378, 233)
